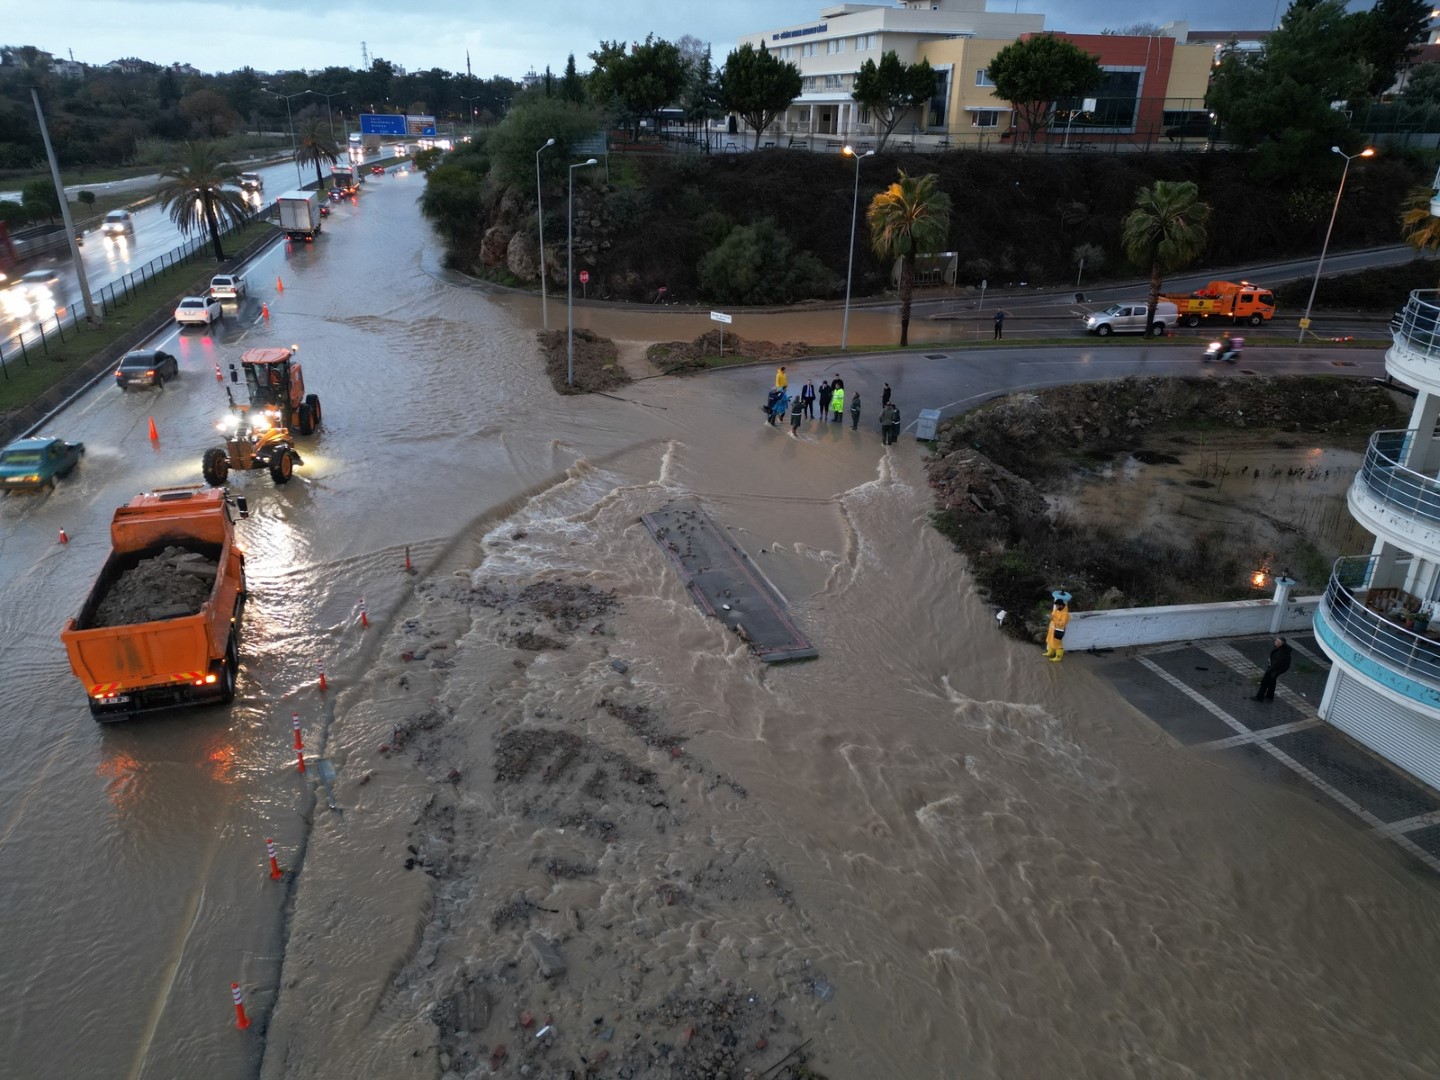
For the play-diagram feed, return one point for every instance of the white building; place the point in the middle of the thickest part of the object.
(1375, 619)
(830, 49)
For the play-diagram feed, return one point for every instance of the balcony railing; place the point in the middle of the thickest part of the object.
(1418, 326)
(1413, 494)
(1377, 634)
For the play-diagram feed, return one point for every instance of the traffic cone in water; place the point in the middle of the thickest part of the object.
(218, 376)
(63, 538)
(279, 285)
(154, 435)
(265, 311)
(241, 1020)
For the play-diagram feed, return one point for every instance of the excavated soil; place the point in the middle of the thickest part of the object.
(1148, 491)
(169, 585)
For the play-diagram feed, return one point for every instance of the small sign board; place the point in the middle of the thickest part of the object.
(420, 125)
(590, 145)
(382, 124)
(720, 317)
(584, 277)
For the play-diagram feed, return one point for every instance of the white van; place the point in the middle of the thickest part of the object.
(118, 223)
(1129, 318)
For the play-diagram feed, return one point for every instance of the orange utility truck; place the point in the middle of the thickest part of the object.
(160, 626)
(1232, 301)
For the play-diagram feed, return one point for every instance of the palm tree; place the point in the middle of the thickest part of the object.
(316, 146)
(1166, 230)
(908, 217)
(1418, 225)
(196, 191)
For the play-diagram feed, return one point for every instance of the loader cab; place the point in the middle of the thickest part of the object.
(273, 380)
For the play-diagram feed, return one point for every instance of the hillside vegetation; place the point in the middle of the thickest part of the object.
(662, 220)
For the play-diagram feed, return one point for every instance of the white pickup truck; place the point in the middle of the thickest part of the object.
(228, 287)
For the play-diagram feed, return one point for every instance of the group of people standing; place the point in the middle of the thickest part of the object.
(831, 398)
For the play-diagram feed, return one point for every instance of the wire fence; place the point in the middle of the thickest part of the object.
(36, 340)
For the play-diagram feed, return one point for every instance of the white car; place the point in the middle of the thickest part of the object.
(118, 223)
(199, 309)
(228, 287)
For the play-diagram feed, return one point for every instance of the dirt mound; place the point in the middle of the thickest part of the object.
(675, 357)
(1003, 473)
(596, 365)
(170, 585)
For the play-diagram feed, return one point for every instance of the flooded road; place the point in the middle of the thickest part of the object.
(991, 865)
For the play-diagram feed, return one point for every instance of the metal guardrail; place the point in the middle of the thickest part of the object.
(36, 340)
(1408, 652)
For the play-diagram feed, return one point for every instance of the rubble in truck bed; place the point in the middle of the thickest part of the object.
(169, 585)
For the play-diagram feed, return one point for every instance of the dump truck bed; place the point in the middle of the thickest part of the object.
(160, 625)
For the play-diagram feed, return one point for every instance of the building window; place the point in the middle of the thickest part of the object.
(940, 99)
(803, 115)
(834, 82)
(808, 49)
(864, 115)
(982, 78)
(835, 45)
(987, 118)
(807, 83)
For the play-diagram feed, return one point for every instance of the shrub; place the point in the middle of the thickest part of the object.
(757, 264)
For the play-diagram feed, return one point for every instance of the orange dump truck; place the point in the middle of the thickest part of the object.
(1232, 301)
(160, 626)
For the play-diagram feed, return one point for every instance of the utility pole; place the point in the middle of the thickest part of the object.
(79, 263)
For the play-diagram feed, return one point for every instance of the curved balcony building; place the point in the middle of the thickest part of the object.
(1379, 620)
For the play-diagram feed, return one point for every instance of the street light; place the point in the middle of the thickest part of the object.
(473, 110)
(328, 115)
(294, 149)
(570, 275)
(850, 260)
(540, 221)
(1367, 152)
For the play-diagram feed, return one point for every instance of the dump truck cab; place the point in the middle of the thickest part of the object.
(274, 381)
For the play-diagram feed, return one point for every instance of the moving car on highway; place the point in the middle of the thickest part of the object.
(30, 464)
(146, 367)
(199, 309)
(118, 223)
(228, 287)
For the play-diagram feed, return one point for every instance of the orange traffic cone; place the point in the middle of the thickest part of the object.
(265, 311)
(154, 435)
(279, 285)
(63, 538)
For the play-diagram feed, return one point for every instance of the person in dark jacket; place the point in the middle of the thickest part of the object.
(889, 423)
(797, 410)
(885, 396)
(1279, 664)
(824, 402)
(855, 411)
(807, 395)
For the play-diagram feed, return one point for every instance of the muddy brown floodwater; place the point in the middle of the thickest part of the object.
(926, 853)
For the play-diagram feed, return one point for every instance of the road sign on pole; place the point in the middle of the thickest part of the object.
(721, 317)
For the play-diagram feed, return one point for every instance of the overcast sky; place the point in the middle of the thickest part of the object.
(508, 38)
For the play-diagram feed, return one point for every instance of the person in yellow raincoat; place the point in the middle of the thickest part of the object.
(1059, 620)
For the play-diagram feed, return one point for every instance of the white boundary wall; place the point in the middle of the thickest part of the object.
(1125, 627)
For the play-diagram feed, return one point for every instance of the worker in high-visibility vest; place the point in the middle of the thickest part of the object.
(837, 403)
(1059, 620)
(782, 381)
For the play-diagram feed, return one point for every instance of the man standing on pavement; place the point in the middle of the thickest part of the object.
(797, 408)
(855, 412)
(885, 396)
(782, 381)
(824, 402)
(1279, 664)
(999, 324)
(807, 395)
(889, 423)
(837, 403)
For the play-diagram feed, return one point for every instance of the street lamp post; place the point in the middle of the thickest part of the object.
(540, 221)
(850, 260)
(328, 114)
(570, 275)
(294, 150)
(471, 101)
(1367, 152)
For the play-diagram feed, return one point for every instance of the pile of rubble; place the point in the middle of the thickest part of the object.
(169, 585)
